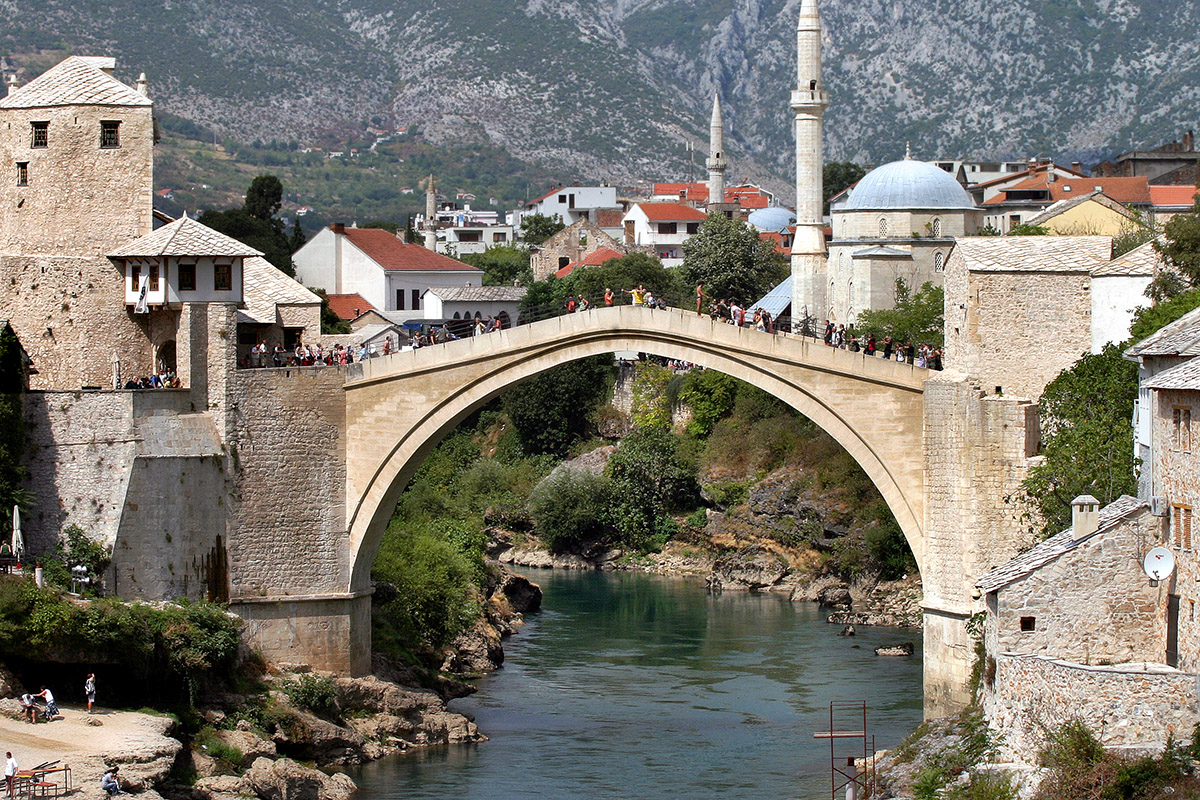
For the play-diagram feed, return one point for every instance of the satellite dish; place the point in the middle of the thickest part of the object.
(1159, 564)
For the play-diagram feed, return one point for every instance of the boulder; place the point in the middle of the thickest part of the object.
(286, 780)
(752, 568)
(311, 738)
(224, 787)
(9, 685)
(475, 650)
(251, 746)
(846, 631)
(835, 596)
(522, 594)
(904, 649)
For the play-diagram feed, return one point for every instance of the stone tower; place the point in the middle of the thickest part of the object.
(716, 155)
(430, 216)
(808, 104)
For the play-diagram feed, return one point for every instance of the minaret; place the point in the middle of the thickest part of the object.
(808, 104)
(430, 216)
(716, 155)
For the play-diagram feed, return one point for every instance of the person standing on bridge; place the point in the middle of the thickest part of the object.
(638, 294)
(608, 297)
(700, 295)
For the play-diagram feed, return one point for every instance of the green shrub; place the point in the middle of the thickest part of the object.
(710, 395)
(727, 494)
(985, 786)
(647, 482)
(313, 693)
(207, 740)
(651, 404)
(568, 509)
(1071, 746)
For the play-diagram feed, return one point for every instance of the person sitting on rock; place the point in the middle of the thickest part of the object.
(109, 782)
(28, 707)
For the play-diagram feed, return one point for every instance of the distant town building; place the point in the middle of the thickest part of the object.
(571, 203)
(379, 266)
(970, 173)
(475, 302)
(571, 245)
(1022, 197)
(663, 227)
(1173, 163)
(1090, 214)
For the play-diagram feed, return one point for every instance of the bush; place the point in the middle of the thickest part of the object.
(567, 509)
(313, 693)
(984, 786)
(647, 482)
(206, 739)
(710, 395)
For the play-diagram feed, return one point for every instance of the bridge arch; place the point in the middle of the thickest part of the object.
(399, 407)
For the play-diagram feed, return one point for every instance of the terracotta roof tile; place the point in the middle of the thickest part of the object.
(1123, 190)
(344, 305)
(1173, 195)
(389, 252)
(75, 81)
(672, 212)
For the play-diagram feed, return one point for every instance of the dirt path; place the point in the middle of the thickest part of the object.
(135, 741)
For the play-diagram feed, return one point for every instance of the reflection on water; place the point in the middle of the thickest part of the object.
(635, 686)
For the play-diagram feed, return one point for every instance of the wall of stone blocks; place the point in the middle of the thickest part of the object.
(566, 244)
(1016, 330)
(58, 306)
(1123, 705)
(1091, 604)
(289, 499)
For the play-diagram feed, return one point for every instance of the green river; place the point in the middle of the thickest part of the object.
(628, 685)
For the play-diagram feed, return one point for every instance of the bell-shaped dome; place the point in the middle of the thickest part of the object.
(771, 219)
(907, 184)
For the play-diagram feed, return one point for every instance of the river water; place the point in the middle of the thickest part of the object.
(635, 686)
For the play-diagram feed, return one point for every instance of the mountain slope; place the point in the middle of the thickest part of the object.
(598, 89)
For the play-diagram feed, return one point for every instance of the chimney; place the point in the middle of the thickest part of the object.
(1033, 162)
(1051, 176)
(1085, 516)
(13, 84)
(1189, 141)
(357, 313)
(1077, 166)
(142, 85)
(338, 227)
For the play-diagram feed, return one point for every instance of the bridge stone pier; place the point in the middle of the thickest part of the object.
(323, 454)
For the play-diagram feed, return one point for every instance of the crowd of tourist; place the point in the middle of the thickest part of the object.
(906, 352)
(163, 379)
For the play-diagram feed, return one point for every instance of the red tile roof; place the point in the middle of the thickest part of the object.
(349, 306)
(594, 260)
(748, 197)
(1123, 190)
(389, 252)
(672, 212)
(1173, 195)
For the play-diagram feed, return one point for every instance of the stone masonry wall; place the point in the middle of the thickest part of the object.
(1126, 705)
(1091, 604)
(289, 500)
(59, 306)
(977, 452)
(1016, 330)
(566, 244)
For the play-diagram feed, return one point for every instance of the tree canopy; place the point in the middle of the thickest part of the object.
(550, 411)
(1180, 248)
(537, 228)
(502, 264)
(914, 318)
(839, 175)
(732, 260)
(548, 297)
(256, 225)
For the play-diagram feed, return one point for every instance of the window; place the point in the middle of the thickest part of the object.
(1181, 527)
(222, 277)
(399, 299)
(667, 228)
(135, 276)
(39, 134)
(500, 236)
(154, 277)
(416, 299)
(693, 228)
(562, 198)
(470, 236)
(110, 134)
(1028, 624)
(939, 262)
(1181, 420)
(22, 173)
(936, 228)
(883, 227)
(187, 278)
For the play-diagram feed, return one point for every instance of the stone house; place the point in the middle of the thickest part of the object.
(381, 267)
(1021, 309)
(572, 244)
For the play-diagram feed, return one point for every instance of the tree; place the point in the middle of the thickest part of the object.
(1134, 233)
(537, 228)
(1087, 437)
(839, 175)
(548, 298)
(648, 481)
(914, 318)
(550, 411)
(502, 264)
(250, 227)
(298, 237)
(1148, 320)
(1180, 248)
(732, 259)
(1025, 229)
(264, 197)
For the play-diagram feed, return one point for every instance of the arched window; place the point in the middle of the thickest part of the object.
(939, 262)
(457, 315)
(883, 228)
(937, 228)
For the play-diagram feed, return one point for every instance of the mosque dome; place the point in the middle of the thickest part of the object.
(771, 219)
(907, 184)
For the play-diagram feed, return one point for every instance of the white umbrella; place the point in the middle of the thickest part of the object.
(18, 541)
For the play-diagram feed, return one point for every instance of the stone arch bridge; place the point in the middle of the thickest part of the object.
(943, 455)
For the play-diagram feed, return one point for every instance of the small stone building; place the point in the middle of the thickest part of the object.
(573, 243)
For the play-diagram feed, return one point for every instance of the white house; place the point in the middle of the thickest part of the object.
(663, 226)
(1118, 288)
(571, 203)
(388, 273)
(467, 238)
